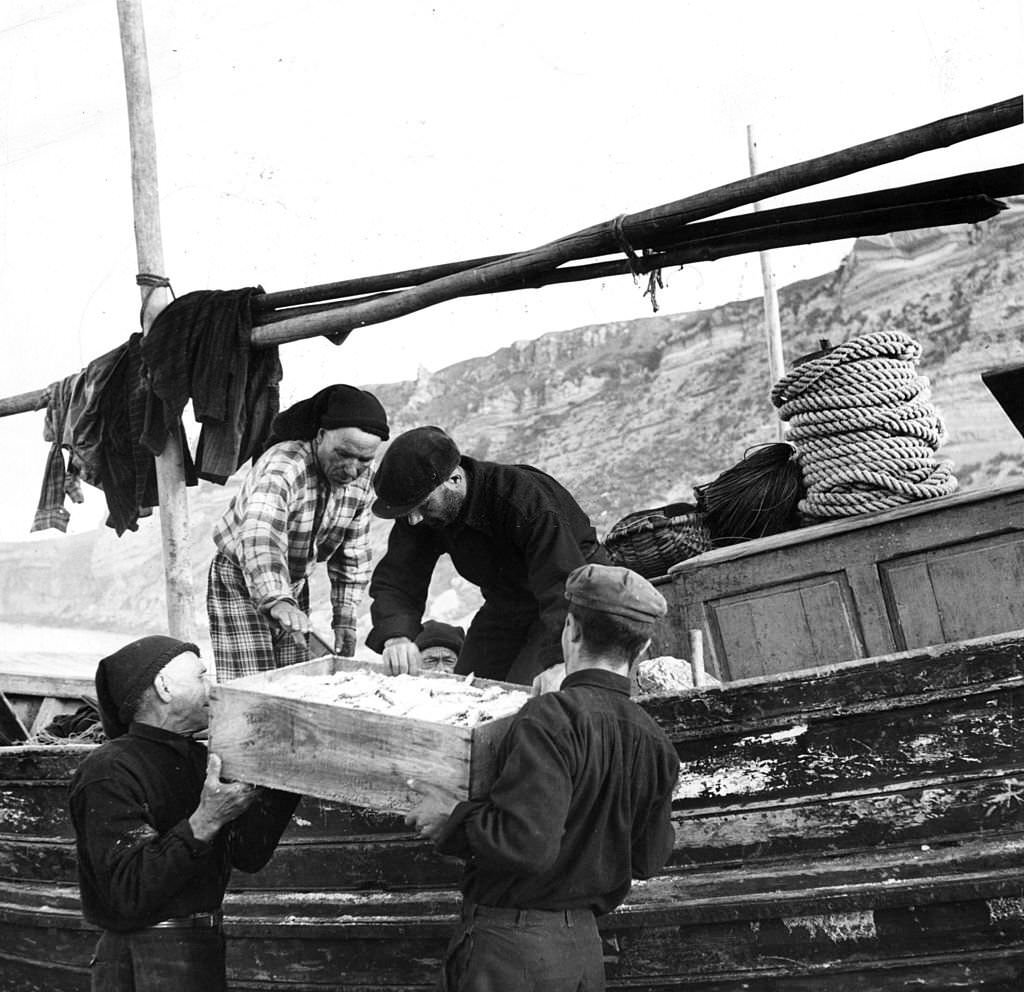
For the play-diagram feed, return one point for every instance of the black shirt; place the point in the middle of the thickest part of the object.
(138, 861)
(581, 805)
(518, 536)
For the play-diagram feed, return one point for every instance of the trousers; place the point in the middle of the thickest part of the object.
(529, 950)
(160, 961)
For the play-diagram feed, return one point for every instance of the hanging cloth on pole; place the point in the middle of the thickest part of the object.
(198, 348)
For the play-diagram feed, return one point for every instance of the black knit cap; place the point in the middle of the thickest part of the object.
(332, 407)
(125, 675)
(415, 464)
(436, 634)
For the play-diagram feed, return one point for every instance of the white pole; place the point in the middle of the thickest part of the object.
(697, 658)
(170, 468)
(772, 324)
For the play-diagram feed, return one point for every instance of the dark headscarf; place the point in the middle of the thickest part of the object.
(125, 675)
(332, 407)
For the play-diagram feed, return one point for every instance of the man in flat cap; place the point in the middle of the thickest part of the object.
(305, 500)
(580, 806)
(158, 831)
(511, 529)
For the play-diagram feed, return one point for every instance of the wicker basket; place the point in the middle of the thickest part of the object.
(652, 541)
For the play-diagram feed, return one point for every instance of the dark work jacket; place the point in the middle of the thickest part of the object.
(581, 805)
(518, 536)
(138, 861)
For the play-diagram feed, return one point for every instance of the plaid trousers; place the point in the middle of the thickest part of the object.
(245, 642)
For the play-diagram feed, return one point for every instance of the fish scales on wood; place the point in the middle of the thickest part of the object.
(818, 947)
(28, 807)
(25, 860)
(951, 737)
(822, 826)
(846, 882)
(886, 682)
(345, 912)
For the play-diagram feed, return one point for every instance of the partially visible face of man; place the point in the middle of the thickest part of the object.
(439, 509)
(187, 679)
(345, 453)
(438, 659)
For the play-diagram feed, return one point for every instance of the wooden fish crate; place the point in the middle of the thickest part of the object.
(338, 752)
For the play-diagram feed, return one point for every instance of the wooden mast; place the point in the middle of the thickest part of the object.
(174, 517)
(772, 324)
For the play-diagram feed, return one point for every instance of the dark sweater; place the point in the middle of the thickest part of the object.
(138, 861)
(518, 536)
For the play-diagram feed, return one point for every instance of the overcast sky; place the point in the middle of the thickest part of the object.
(315, 140)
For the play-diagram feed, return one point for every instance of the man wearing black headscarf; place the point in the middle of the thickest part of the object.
(157, 830)
(305, 500)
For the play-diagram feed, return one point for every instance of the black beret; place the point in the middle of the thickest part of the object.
(616, 590)
(122, 677)
(414, 465)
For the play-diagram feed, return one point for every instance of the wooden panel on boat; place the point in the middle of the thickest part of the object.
(958, 592)
(801, 624)
(931, 572)
(337, 752)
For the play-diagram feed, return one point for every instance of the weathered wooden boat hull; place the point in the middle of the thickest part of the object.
(859, 827)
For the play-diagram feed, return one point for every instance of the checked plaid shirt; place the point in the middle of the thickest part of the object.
(286, 518)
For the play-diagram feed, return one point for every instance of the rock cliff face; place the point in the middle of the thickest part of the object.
(630, 414)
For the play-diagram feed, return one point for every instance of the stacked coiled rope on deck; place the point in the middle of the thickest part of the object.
(862, 421)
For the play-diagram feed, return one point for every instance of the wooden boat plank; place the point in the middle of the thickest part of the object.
(942, 811)
(948, 738)
(878, 940)
(910, 678)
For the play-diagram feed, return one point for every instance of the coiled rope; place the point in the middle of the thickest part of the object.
(862, 421)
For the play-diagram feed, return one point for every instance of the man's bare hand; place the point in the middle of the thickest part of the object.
(402, 656)
(345, 641)
(291, 619)
(219, 803)
(435, 807)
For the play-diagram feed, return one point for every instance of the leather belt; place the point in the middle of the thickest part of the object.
(194, 921)
(520, 917)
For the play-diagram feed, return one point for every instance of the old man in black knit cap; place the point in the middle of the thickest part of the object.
(306, 500)
(158, 831)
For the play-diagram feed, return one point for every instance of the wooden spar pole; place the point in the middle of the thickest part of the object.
(24, 402)
(994, 183)
(967, 199)
(170, 468)
(772, 324)
(730, 239)
(609, 236)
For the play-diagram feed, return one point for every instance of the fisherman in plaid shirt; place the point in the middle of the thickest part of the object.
(306, 500)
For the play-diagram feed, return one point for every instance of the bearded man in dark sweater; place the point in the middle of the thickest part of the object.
(512, 530)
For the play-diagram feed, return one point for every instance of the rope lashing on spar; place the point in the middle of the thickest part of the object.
(862, 420)
(654, 280)
(153, 282)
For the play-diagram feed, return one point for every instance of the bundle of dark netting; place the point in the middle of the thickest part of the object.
(650, 542)
(757, 496)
